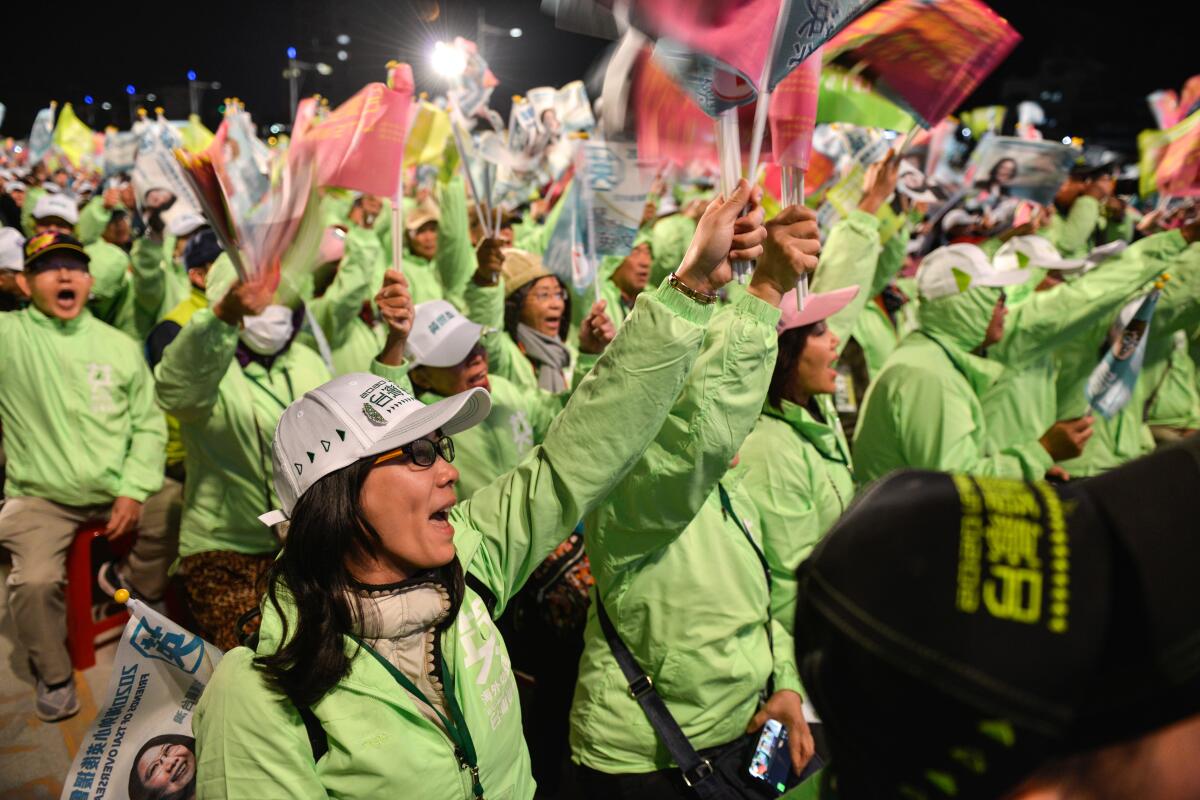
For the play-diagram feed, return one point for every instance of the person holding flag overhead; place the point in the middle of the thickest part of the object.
(378, 619)
(924, 410)
(226, 377)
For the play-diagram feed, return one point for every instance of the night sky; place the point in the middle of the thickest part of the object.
(1102, 58)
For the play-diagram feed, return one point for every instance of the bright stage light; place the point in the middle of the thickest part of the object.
(448, 60)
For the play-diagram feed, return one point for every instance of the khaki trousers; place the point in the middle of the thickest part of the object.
(37, 533)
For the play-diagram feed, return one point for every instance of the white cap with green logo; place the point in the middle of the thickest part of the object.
(440, 337)
(957, 268)
(352, 417)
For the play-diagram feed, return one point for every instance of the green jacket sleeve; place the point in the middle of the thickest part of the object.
(1179, 306)
(93, 219)
(937, 431)
(284, 766)
(149, 279)
(518, 519)
(336, 310)
(455, 261)
(664, 491)
(485, 306)
(1047, 319)
(142, 472)
(1073, 235)
(188, 377)
(397, 375)
(848, 257)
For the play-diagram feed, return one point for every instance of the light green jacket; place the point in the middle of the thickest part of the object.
(1024, 399)
(77, 408)
(518, 420)
(353, 343)
(227, 416)
(669, 240)
(159, 282)
(681, 583)
(1072, 234)
(380, 744)
(112, 299)
(924, 410)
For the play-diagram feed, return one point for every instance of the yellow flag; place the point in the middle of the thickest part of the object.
(427, 138)
(983, 119)
(72, 137)
(195, 136)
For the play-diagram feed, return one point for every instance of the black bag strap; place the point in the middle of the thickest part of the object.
(697, 771)
(728, 512)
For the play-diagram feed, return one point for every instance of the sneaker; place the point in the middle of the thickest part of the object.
(110, 580)
(57, 704)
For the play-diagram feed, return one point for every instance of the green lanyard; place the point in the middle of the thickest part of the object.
(456, 726)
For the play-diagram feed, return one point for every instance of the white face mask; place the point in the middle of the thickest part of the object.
(268, 332)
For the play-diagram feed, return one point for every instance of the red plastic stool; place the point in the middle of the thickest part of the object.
(82, 630)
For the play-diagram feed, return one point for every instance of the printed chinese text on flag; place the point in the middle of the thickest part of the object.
(359, 144)
(926, 55)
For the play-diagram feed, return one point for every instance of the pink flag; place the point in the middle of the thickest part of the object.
(1189, 98)
(1179, 170)
(359, 145)
(926, 55)
(1164, 104)
(735, 32)
(670, 126)
(793, 113)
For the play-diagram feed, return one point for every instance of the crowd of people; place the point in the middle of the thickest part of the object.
(463, 530)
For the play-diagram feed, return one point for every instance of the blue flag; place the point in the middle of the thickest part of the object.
(42, 135)
(1111, 383)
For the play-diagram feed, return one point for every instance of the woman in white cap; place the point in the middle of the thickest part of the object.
(379, 671)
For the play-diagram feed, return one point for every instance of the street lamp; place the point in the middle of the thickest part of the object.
(196, 90)
(483, 28)
(294, 71)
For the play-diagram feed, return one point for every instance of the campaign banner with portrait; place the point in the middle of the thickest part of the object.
(158, 181)
(141, 743)
(1008, 166)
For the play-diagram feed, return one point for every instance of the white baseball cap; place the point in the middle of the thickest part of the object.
(15, 186)
(1020, 252)
(352, 417)
(956, 268)
(12, 249)
(440, 337)
(185, 224)
(56, 205)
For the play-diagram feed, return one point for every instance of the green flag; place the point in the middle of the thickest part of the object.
(847, 98)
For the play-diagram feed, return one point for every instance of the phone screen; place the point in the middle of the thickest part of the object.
(771, 761)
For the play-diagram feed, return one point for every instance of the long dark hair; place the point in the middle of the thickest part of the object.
(138, 790)
(516, 301)
(327, 527)
(791, 347)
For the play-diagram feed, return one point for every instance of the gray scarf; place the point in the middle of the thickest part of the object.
(548, 354)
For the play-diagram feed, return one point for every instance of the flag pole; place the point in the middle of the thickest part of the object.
(763, 102)
(792, 189)
(462, 153)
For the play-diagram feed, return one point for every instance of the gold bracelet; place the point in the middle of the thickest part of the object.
(703, 298)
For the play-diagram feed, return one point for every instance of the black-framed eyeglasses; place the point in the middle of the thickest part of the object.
(423, 452)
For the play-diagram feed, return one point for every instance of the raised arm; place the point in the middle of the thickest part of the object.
(188, 377)
(1046, 320)
(514, 522)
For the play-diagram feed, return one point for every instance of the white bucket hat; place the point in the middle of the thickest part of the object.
(957, 268)
(185, 224)
(440, 337)
(352, 417)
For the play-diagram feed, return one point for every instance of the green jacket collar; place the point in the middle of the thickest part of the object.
(826, 437)
(70, 326)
